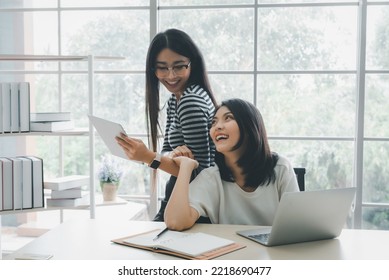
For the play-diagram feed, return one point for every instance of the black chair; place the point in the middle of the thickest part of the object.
(300, 174)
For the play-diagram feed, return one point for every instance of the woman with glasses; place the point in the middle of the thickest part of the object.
(175, 61)
(247, 181)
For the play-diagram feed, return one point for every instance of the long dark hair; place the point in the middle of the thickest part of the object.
(179, 42)
(257, 160)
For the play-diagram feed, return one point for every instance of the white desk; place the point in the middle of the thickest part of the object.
(90, 239)
(119, 208)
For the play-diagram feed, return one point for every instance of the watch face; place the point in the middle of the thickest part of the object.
(155, 164)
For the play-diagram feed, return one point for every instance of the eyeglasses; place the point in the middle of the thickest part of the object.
(178, 69)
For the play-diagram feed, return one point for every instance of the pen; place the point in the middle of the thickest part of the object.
(159, 234)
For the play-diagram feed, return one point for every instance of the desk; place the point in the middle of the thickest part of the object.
(90, 239)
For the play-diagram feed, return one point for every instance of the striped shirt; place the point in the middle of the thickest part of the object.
(188, 123)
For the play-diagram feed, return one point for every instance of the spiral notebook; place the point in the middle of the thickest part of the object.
(181, 244)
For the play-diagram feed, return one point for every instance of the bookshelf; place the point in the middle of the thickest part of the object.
(89, 60)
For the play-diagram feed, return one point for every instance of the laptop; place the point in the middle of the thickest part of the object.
(306, 216)
(108, 131)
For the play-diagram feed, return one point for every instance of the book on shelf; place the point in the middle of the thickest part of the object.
(24, 106)
(21, 180)
(68, 202)
(50, 117)
(51, 126)
(66, 182)
(198, 245)
(27, 195)
(69, 193)
(6, 105)
(6, 166)
(17, 183)
(1, 110)
(37, 182)
(1, 185)
(14, 107)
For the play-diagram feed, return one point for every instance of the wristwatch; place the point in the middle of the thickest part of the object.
(156, 161)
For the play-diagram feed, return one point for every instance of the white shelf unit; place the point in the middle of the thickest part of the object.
(90, 59)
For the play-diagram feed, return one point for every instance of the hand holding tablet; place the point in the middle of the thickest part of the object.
(130, 148)
(108, 131)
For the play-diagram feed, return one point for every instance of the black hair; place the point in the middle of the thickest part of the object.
(179, 42)
(257, 160)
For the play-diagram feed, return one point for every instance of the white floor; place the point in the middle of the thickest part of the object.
(30, 225)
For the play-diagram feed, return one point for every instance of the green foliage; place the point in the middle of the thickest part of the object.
(376, 219)
(293, 38)
(381, 44)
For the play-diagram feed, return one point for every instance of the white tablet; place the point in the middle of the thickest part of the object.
(108, 131)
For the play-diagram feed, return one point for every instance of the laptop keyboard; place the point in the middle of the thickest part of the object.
(263, 237)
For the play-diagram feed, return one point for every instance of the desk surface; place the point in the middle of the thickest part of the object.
(90, 239)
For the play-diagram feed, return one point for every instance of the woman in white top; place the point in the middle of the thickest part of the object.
(246, 184)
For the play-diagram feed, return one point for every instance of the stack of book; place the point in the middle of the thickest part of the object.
(51, 121)
(67, 191)
(14, 107)
(21, 183)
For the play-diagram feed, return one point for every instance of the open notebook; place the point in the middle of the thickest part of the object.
(181, 244)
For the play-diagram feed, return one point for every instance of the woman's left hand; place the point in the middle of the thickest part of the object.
(181, 151)
(186, 162)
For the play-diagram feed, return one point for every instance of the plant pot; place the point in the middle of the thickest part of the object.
(109, 191)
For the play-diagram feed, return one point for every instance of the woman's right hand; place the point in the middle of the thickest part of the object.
(135, 149)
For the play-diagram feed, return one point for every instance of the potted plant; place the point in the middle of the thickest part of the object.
(109, 174)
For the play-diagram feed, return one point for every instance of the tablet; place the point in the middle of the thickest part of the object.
(108, 131)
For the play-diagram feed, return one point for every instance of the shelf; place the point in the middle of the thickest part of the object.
(20, 211)
(89, 59)
(99, 202)
(73, 132)
(26, 57)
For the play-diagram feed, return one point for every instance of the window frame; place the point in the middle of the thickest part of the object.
(360, 72)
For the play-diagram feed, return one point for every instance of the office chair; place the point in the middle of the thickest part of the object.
(300, 174)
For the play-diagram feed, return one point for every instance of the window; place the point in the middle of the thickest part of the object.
(318, 72)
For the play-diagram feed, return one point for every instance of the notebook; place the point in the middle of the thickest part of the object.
(108, 131)
(181, 244)
(306, 216)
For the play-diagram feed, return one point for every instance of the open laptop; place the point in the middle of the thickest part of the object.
(108, 131)
(306, 216)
